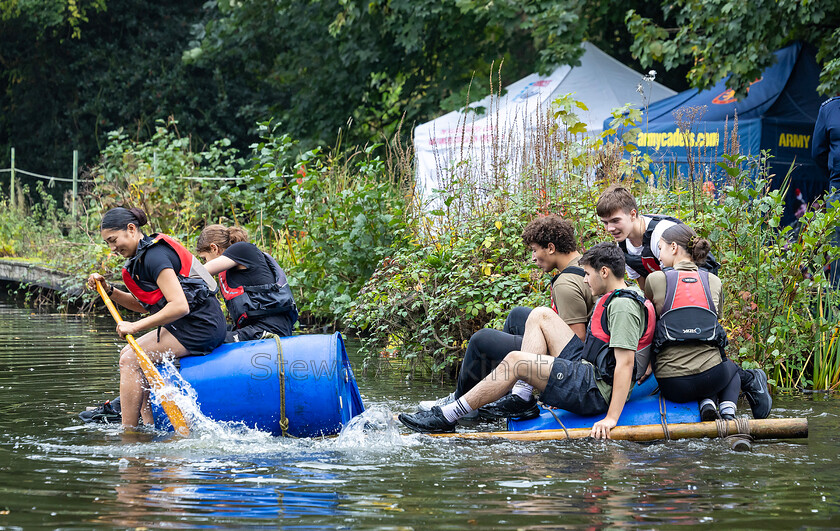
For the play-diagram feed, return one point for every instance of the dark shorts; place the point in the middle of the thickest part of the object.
(706, 384)
(280, 325)
(571, 384)
(202, 330)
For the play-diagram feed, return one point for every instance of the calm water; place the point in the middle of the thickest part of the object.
(57, 473)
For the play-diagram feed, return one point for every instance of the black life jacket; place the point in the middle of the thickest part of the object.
(689, 314)
(596, 348)
(571, 270)
(647, 263)
(196, 282)
(251, 302)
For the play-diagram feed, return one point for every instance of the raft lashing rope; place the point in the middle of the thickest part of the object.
(300, 386)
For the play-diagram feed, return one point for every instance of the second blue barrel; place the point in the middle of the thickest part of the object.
(243, 382)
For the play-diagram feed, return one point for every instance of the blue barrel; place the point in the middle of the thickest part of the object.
(642, 407)
(241, 382)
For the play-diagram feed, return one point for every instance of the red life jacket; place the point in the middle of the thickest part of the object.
(646, 262)
(688, 314)
(596, 348)
(250, 302)
(191, 274)
(571, 270)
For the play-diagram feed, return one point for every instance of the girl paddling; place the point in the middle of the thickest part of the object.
(258, 297)
(168, 282)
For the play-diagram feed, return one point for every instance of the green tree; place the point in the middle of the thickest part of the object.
(124, 70)
(370, 64)
(719, 38)
(56, 17)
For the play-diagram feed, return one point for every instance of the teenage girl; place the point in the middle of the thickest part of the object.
(257, 295)
(167, 282)
(690, 363)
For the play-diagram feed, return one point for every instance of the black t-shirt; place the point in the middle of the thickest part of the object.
(257, 272)
(157, 258)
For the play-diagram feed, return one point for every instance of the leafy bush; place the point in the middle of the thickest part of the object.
(328, 220)
(175, 185)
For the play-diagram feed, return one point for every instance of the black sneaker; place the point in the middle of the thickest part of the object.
(708, 412)
(511, 407)
(727, 416)
(758, 394)
(108, 413)
(427, 421)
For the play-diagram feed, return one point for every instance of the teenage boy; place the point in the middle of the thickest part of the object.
(553, 247)
(638, 236)
(589, 377)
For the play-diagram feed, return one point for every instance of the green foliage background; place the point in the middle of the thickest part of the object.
(73, 70)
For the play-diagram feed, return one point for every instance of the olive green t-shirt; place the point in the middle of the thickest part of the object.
(626, 321)
(686, 359)
(572, 297)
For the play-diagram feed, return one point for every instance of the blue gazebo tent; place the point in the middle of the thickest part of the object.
(777, 115)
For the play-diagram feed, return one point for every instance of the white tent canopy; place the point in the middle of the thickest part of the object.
(600, 82)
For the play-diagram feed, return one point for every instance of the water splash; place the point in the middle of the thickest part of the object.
(202, 427)
(374, 429)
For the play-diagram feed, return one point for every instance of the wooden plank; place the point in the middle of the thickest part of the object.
(795, 428)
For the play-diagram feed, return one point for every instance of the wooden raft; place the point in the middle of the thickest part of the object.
(796, 428)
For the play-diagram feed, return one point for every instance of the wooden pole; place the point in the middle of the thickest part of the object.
(75, 183)
(12, 185)
(176, 417)
(796, 428)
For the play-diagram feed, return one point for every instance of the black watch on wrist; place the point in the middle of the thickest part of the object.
(110, 290)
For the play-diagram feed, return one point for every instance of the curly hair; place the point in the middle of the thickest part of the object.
(551, 229)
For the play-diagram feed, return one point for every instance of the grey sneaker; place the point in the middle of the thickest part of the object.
(427, 405)
(758, 394)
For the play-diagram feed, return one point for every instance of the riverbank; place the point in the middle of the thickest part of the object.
(415, 276)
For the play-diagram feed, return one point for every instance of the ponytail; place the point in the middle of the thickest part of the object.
(119, 218)
(684, 236)
(221, 236)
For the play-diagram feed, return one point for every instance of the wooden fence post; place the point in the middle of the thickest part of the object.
(75, 182)
(12, 183)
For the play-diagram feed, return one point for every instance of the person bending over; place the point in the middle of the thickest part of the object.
(257, 295)
(166, 281)
(591, 377)
(553, 248)
(689, 359)
(638, 236)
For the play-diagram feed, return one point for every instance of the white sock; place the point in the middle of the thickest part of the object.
(455, 410)
(727, 408)
(707, 401)
(522, 390)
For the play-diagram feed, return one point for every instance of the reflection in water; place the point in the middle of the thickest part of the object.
(176, 491)
(56, 473)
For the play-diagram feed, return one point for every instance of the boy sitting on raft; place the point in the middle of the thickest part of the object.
(553, 247)
(639, 236)
(588, 377)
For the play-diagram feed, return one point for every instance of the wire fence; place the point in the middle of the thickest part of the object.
(75, 178)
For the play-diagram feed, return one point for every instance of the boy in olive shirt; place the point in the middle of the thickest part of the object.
(553, 247)
(588, 378)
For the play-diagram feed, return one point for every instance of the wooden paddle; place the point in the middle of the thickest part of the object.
(176, 417)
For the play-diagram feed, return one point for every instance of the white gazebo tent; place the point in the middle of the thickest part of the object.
(502, 133)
